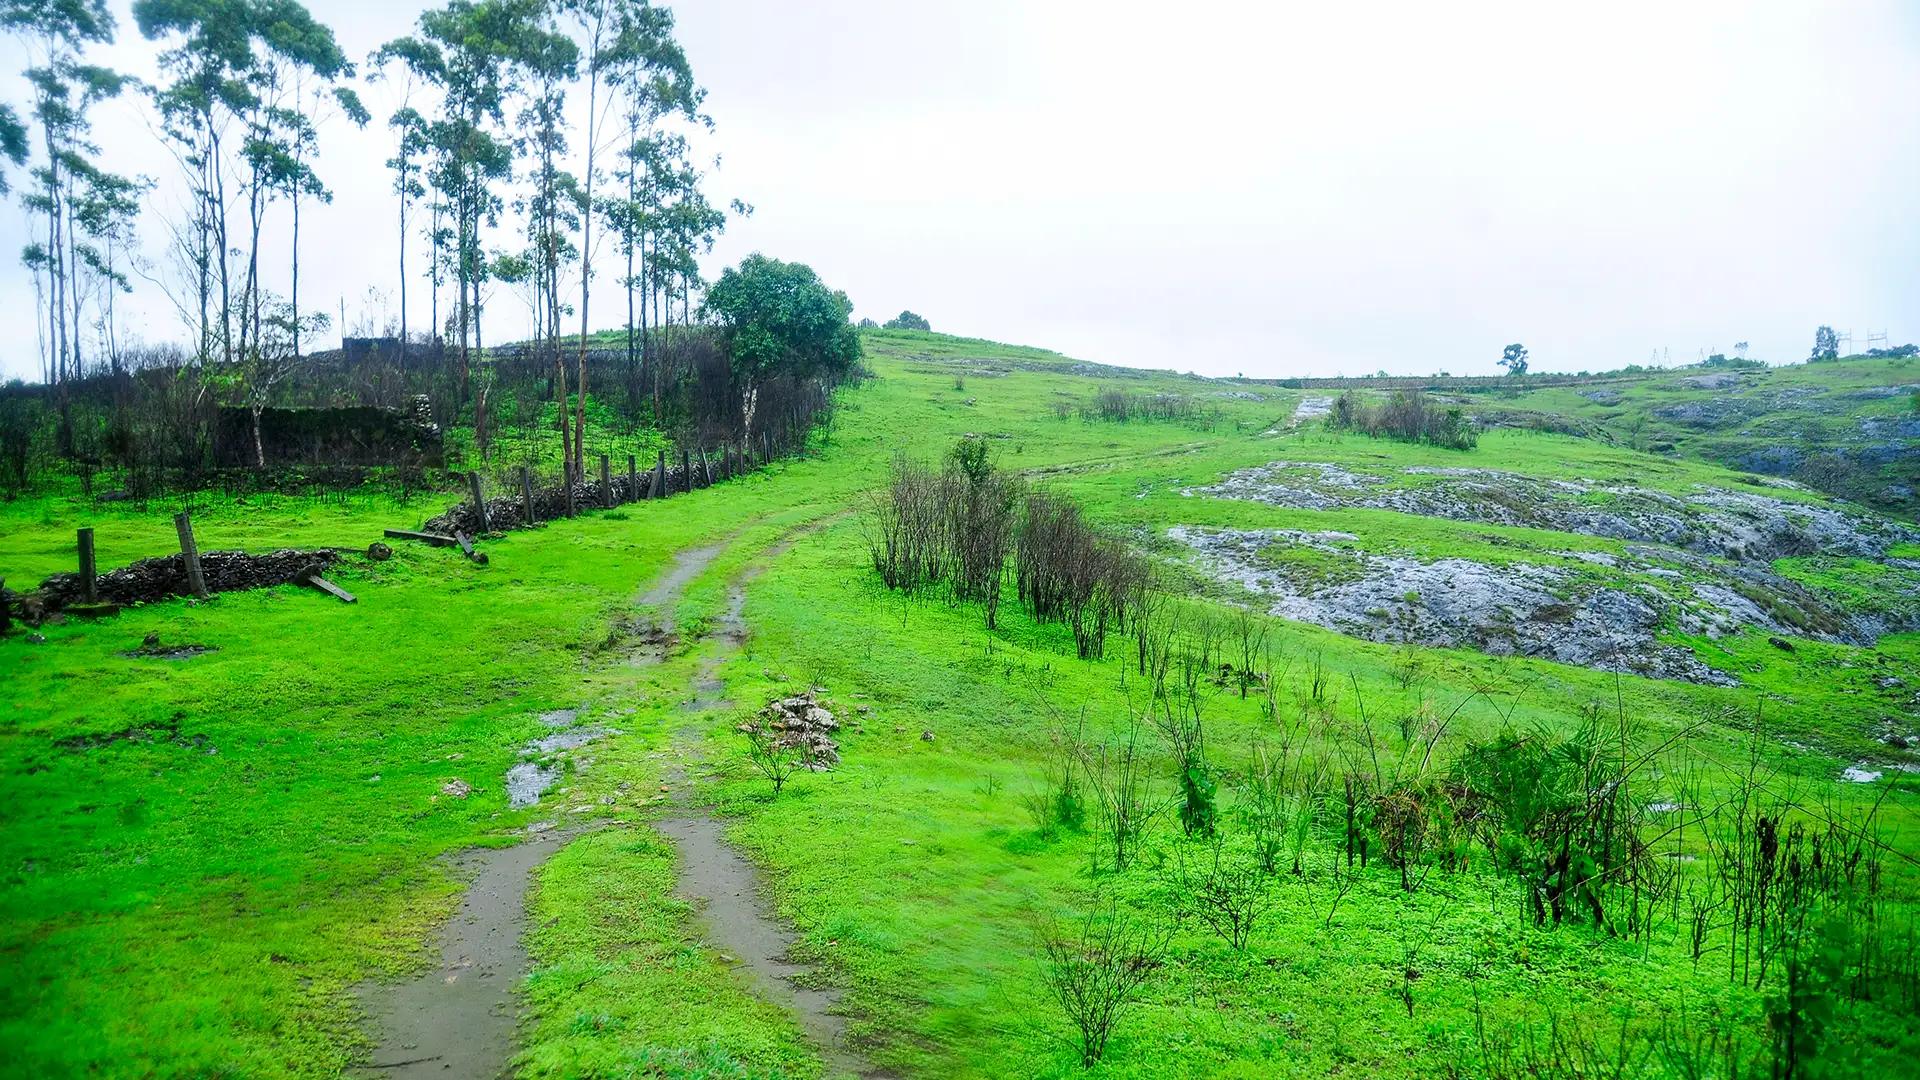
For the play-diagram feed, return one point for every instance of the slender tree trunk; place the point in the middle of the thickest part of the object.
(403, 261)
(433, 255)
(586, 242)
(218, 212)
(294, 297)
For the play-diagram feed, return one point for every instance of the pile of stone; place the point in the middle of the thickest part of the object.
(155, 579)
(803, 725)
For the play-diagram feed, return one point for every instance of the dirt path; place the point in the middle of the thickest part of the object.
(459, 1019)
(727, 889)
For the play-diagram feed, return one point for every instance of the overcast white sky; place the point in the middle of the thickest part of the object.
(1271, 189)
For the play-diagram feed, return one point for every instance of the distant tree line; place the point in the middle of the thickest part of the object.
(481, 128)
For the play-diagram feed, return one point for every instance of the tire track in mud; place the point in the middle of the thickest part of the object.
(459, 1019)
(725, 887)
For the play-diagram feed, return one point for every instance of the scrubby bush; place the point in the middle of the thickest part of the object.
(1121, 406)
(1096, 967)
(1406, 415)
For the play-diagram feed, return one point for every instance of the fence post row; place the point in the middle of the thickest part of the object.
(87, 584)
(526, 494)
(480, 523)
(190, 551)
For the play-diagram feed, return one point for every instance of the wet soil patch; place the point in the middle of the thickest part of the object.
(458, 1018)
(169, 652)
(726, 889)
(150, 733)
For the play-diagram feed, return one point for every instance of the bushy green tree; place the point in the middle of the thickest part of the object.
(778, 319)
(1514, 359)
(1826, 344)
(907, 320)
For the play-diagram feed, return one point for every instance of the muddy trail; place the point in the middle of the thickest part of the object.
(727, 889)
(459, 1017)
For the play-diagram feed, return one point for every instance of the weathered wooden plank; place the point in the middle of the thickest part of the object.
(89, 583)
(526, 496)
(436, 539)
(326, 586)
(196, 580)
(606, 485)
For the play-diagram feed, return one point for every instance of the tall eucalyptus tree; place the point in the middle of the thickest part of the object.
(232, 63)
(472, 52)
(64, 89)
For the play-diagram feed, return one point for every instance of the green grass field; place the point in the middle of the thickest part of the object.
(203, 858)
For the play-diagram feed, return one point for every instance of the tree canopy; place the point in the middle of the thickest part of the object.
(778, 318)
(1514, 359)
(907, 320)
(1826, 344)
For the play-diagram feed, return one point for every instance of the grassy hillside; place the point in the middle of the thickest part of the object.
(205, 857)
(1850, 427)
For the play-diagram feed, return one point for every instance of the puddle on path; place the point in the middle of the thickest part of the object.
(459, 1019)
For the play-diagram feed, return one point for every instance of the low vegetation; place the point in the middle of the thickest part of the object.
(1406, 415)
(1093, 815)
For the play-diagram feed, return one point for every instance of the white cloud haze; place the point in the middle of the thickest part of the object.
(1225, 187)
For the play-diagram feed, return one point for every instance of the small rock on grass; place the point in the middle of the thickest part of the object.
(458, 789)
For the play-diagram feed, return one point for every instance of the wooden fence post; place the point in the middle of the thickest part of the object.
(606, 485)
(526, 495)
(190, 551)
(659, 488)
(686, 471)
(633, 481)
(480, 522)
(87, 583)
(566, 470)
(706, 467)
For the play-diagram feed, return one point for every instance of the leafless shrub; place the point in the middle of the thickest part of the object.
(772, 752)
(1123, 793)
(1122, 406)
(1096, 967)
(1226, 889)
